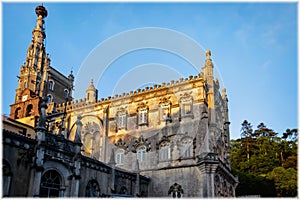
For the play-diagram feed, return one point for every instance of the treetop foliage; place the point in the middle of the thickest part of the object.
(262, 158)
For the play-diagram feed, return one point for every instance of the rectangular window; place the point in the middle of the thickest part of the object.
(122, 120)
(165, 112)
(143, 119)
(120, 157)
(186, 107)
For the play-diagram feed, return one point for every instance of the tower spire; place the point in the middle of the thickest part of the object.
(37, 62)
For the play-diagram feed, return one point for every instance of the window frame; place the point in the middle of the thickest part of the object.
(121, 120)
(51, 85)
(186, 150)
(165, 151)
(66, 93)
(51, 98)
(141, 153)
(143, 116)
(120, 156)
(48, 189)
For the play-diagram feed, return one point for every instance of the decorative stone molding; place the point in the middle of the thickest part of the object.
(139, 142)
(121, 144)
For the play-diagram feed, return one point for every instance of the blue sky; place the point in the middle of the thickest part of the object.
(253, 45)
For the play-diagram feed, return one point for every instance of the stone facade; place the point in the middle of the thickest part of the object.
(166, 140)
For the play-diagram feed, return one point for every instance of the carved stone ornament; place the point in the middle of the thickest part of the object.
(121, 144)
(139, 142)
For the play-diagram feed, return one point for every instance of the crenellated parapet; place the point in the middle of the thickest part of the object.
(172, 85)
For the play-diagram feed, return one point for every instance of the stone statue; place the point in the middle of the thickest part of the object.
(78, 130)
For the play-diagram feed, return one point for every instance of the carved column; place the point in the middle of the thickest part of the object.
(207, 166)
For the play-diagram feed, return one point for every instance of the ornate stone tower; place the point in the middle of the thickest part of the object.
(91, 93)
(33, 73)
(37, 78)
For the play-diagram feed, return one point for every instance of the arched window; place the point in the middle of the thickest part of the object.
(49, 98)
(66, 93)
(51, 85)
(120, 156)
(92, 189)
(29, 110)
(165, 151)
(141, 154)
(50, 184)
(187, 148)
(17, 113)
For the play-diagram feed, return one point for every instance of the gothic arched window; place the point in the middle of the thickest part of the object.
(187, 148)
(29, 110)
(66, 93)
(49, 98)
(92, 189)
(50, 184)
(165, 151)
(51, 85)
(120, 156)
(92, 140)
(141, 154)
(17, 113)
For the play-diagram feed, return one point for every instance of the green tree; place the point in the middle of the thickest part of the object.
(247, 138)
(250, 184)
(258, 158)
(285, 181)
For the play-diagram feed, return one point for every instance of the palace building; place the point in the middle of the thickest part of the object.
(168, 140)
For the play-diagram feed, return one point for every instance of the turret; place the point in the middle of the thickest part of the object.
(91, 93)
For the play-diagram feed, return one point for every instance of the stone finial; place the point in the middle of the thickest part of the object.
(71, 76)
(41, 11)
(224, 95)
(91, 87)
(208, 53)
(208, 68)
